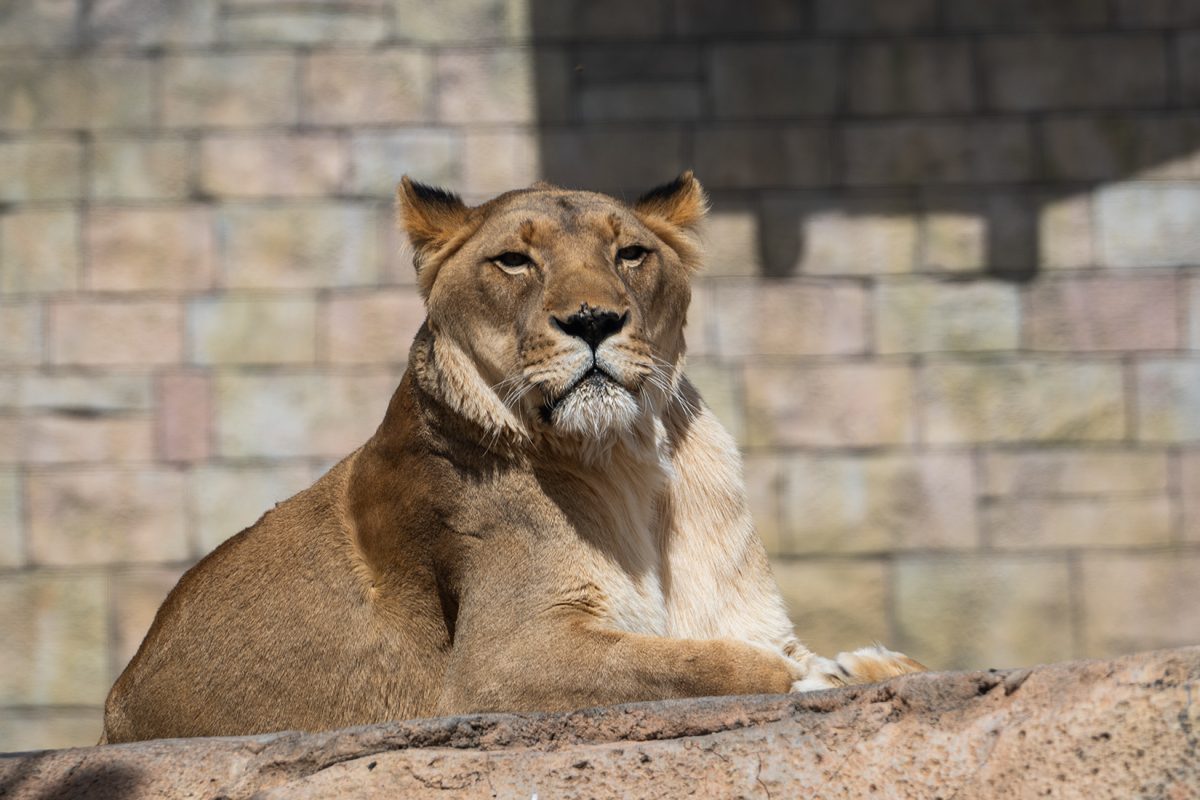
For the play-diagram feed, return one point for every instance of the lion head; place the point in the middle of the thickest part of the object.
(555, 313)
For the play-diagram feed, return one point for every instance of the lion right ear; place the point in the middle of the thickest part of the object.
(429, 215)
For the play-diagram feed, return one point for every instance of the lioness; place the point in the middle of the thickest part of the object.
(547, 518)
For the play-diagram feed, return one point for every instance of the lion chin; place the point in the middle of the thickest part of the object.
(596, 408)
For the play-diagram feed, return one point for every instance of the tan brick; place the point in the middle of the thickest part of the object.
(858, 240)
(745, 81)
(139, 169)
(1193, 330)
(327, 415)
(1104, 314)
(498, 160)
(486, 85)
(854, 504)
(39, 251)
(136, 597)
(790, 319)
(12, 544)
(1189, 480)
(930, 316)
(1148, 225)
(54, 633)
(396, 264)
(317, 24)
(53, 439)
(50, 23)
(227, 499)
(387, 86)
(432, 156)
(47, 168)
(374, 328)
(1140, 601)
(48, 728)
(12, 436)
(228, 90)
(1023, 401)
(921, 153)
(1032, 523)
(700, 329)
(835, 605)
(731, 244)
(910, 76)
(764, 484)
(1047, 473)
(96, 93)
(1168, 394)
(244, 165)
(976, 612)
(252, 329)
(106, 517)
(151, 22)
(159, 248)
(954, 241)
(1111, 147)
(84, 392)
(112, 332)
(183, 422)
(20, 333)
(834, 405)
(299, 246)
(1065, 235)
(718, 386)
(467, 21)
(755, 157)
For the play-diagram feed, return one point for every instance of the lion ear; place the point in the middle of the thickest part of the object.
(429, 215)
(682, 202)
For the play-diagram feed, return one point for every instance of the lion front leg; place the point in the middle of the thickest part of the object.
(864, 665)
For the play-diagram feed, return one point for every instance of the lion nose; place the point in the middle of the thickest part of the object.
(593, 325)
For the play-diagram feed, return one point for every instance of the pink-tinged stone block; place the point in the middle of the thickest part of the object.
(790, 319)
(136, 597)
(228, 90)
(1189, 479)
(373, 328)
(1074, 472)
(12, 534)
(110, 332)
(1104, 314)
(1168, 401)
(54, 439)
(347, 88)
(170, 249)
(20, 334)
(1139, 601)
(183, 419)
(39, 251)
(1074, 522)
(272, 165)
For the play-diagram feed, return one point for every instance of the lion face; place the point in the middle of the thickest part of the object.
(569, 306)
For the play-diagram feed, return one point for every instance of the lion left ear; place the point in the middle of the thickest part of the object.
(682, 202)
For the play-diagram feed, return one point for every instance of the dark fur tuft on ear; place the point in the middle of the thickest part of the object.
(429, 215)
(681, 202)
(433, 194)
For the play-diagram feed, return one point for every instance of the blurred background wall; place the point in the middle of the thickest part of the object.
(952, 309)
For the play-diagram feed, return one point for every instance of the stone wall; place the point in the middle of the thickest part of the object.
(952, 310)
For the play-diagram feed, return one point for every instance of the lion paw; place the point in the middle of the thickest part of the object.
(865, 665)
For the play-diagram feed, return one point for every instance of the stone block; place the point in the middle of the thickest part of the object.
(742, 157)
(1187, 52)
(48, 728)
(373, 328)
(68, 439)
(911, 76)
(1136, 313)
(363, 88)
(1139, 601)
(794, 318)
(227, 499)
(983, 611)
(773, 80)
(1002, 15)
(12, 540)
(432, 155)
(625, 102)
(625, 159)
(1111, 147)
(465, 22)
(835, 605)
(764, 483)
(114, 332)
(722, 19)
(1073, 472)
(834, 405)
(620, 19)
(921, 153)
(272, 165)
(46, 168)
(1015, 401)
(327, 415)
(718, 385)
(20, 334)
(1168, 395)
(96, 93)
(1148, 225)
(701, 326)
(496, 160)
(170, 249)
(252, 329)
(1065, 234)
(487, 85)
(54, 631)
(860, 504)
(12, 437)
(731, 244)
(863, 16)
(39, 252)
(183, 418)
(136, 596)
(927, 316)
(47, 24)
(217, 90)
(1072, 522)
(1039, 73)
(845, 236)
(306, 24)
(150, 23)
(104, 517)
(1193, 316)
(83, 393)
(140, 169)
(954, 240)
(298, 246)
(631, 61)
(965, 231)
(1189, 481)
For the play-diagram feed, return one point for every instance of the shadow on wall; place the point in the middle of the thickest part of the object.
(802, 118)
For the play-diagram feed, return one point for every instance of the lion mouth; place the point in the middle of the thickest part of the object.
(596, 377)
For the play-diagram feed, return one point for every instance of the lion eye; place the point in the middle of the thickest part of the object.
(634, 253)
(512, 263)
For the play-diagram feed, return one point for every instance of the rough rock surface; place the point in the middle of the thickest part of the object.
(1090, 729)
